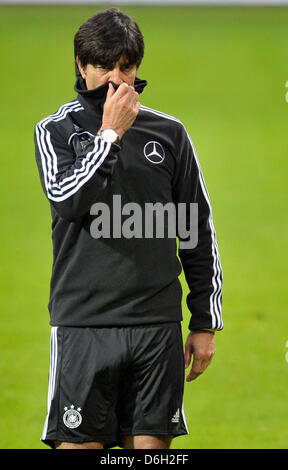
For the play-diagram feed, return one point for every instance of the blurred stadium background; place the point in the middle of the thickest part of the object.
(223, 72)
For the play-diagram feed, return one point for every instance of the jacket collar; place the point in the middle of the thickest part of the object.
(95, 99)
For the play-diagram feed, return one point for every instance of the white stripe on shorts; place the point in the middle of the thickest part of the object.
(52, 375)
(184, 419)
(182, 410)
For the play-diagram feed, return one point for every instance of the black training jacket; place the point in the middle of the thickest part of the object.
(118, 280)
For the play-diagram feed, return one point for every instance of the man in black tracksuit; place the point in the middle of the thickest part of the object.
(117, 362)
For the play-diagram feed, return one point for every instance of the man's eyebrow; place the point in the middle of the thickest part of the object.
(104, 66)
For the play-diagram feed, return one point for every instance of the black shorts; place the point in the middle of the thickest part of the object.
(105, 383)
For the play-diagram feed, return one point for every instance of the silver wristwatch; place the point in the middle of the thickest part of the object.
(109, 135)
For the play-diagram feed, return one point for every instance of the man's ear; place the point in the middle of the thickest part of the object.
(81, 69)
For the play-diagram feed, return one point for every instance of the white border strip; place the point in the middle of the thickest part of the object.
(272, 3)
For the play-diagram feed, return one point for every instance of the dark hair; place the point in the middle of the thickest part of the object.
(106, 36)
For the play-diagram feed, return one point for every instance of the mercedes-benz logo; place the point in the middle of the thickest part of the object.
(154, 152)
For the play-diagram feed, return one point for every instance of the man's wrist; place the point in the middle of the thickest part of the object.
(208, 330)
(109, 135)
(120, 132)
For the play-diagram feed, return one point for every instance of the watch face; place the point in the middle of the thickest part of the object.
(109, 135)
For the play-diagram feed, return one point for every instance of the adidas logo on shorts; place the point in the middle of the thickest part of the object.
(176, 417)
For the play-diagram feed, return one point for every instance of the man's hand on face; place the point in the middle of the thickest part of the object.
(120, 109)
(202, 345)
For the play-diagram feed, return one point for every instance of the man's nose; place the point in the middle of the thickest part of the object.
(116, 76)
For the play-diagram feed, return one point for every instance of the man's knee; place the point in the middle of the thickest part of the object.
(78, 445)
(147, 442)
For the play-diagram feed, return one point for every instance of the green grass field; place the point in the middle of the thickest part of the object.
(222, 71)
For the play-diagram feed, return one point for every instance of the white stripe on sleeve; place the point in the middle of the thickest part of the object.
(215, 297)
(59, 191)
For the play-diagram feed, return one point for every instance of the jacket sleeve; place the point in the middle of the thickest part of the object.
(198, 251)
(72, 181)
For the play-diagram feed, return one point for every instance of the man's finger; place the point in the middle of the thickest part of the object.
(187, 357)
(127, 94)
(198, 367)
(111, 90)
(188, 352)
(192, 376)
(123, 89)
(137, 107)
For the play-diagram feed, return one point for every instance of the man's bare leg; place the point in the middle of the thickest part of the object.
(147, 442)
(76, 445)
